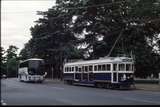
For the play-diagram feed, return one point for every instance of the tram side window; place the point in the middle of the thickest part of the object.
(76, 68)
(65, 69)
(114, 67)
(128, 67)
(83, 69)
(99, 67)
(108, 67)
(103, 67)
(90, 68)
(121, 67)
(95, 68)
(72, 68)
(80, 69)
(86, 68)
(132, 67)
(69, 69)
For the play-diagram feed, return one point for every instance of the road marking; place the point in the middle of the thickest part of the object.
(141, 100)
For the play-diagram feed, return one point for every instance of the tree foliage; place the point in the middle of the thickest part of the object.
(11, 61)
(89, 29)
(3, 61)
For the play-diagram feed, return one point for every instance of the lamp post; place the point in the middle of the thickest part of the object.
(7, 69)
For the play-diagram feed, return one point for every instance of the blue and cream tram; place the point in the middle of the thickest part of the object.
(109, 72)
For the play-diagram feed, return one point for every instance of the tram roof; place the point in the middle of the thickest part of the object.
(31, 59)
(102, 60)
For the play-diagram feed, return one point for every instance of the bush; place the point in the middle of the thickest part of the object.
(145, 81)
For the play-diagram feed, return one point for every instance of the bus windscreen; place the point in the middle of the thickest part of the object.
(36, 68)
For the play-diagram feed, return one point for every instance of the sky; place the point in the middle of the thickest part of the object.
(17, 17)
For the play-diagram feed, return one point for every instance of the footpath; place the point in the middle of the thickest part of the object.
(148, 87)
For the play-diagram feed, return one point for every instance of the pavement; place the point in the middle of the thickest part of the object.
(148, 87)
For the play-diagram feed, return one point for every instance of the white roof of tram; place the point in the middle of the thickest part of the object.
(31, 59)
(102, 60)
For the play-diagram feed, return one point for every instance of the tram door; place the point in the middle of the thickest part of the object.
(85, 73)
(76, 73)
(115, 77)
(115, 73)
(90, 73)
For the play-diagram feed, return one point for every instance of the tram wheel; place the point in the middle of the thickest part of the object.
(107, 86)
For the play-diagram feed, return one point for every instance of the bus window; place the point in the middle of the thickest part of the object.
(24, 64)
(121, 67)
(108, 67)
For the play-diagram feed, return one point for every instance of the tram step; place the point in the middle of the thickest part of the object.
(83, 84)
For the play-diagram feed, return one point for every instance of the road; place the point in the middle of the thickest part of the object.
(14, 92)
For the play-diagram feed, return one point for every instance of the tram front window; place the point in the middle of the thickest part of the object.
(36, 68)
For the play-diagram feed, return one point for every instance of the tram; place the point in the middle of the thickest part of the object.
(107, 72)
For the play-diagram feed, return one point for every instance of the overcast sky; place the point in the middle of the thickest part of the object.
(17, 16)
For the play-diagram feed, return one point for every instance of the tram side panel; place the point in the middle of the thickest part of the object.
(127, 81)
(68, 78)
(102, 76)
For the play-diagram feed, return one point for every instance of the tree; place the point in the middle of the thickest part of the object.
(11, 52)
(52, 41)
(12, 67)
(104, 21)
(26, 52)
(91, 27)
(3, 61)
(11, 61)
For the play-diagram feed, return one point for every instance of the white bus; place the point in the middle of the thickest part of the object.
(32, 70)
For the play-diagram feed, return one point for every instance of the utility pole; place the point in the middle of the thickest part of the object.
(7, 69)
(52, 65)
(52, 70)
(159, 78)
